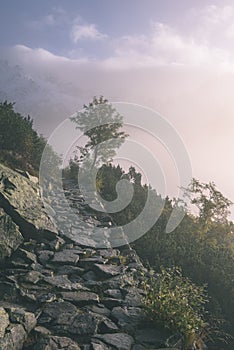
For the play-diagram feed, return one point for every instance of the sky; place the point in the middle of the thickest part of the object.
(176, 57)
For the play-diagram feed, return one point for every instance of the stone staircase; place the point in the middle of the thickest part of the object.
(71, 297)
(58, 289)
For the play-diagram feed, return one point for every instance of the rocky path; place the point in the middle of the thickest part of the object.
(58, 293)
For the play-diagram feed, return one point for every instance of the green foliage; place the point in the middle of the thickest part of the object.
(206, 256)
(212, 205)
(174, 302)
(107, 179)
(101, 123)
(20, 145)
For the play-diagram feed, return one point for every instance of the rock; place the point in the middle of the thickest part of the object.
(107, 271)
(83, 327)
(89, 252)
(120, 341)
(15, 338)
(15, 324)
(81, 298)
(139, 347)
(127, 318)
(46, 298)
(66, 256)
(88, 263)
(107, 326)
(4, 322)
(18, 315)
(62, 282)
(55, 343)
(31, 277)
(109, 253)
(151, 337)
(82, 239)
(69, 270)
(10, 237)
(98, 309)
(57, 313)
(57, 243)
(63, 318)
(26, 174)
(33, 179)
(27, 256)
(133, 297)
(8, 292)
(131, 257)
(99, 345)
(113, 293)
(110, 303)
(41, 330)
(90, 276)
(44, 256)
(20, 199)
(122, 280)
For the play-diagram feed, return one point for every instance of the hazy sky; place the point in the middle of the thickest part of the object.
(174, 56)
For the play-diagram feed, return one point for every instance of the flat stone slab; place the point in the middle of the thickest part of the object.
(120, 341)
(62, 282)
(67, 257)
(107, 271)
(81, 298)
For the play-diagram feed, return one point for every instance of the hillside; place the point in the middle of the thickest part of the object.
(62, 293)
(55, 251)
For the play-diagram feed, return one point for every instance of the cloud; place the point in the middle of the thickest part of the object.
(86, 31)
(28, 56)
(56, 17)
(217, 14)
(213, 26)
(230, 31)
(164, 46)
(187, 76)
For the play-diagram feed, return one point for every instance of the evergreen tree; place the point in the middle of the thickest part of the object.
(20, 145)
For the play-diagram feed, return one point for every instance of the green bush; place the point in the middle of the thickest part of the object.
(174, 302)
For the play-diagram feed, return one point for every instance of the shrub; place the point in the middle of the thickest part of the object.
(174, 302)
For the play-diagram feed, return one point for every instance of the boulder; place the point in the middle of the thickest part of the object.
(20, 199)
(10, 236)
(4, 321)
(15, 325)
